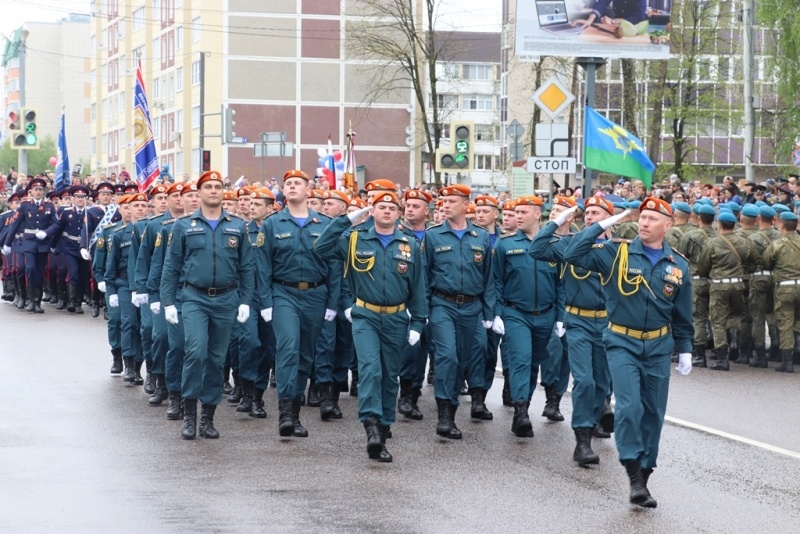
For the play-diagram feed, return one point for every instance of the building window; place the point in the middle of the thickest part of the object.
(447, 71)
(178, 169)
(195, 73)
(486, 162)
(196, 159)
(179, 37)
(138, 53)
(156, 89)
(157, 48)
(445, 101)
(122, 101)
(179, 121)
(156, 11)
(138, 19)
(94, 111)
(105, 144)
(195, 117)
(179, 79)
(104, 108)
(156, 128)
(487, 132)
(93, 43)
(478, 72)
(478, 102)
(196, 29)
(93, 143)
(122, 142)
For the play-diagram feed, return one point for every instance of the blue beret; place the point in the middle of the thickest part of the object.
(734, 206)
(760, 203)
(726, 217)
(750, 210)
(705, 209)
(766, 212)
(725, 207)
(788, 216)
(779, 208)
(620, 205)
(682, 206)
(634, 204)
(581, 204)
(696, 207)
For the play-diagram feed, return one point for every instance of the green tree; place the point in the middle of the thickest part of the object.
(38, 160)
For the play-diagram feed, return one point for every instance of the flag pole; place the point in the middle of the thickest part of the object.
(590, 65)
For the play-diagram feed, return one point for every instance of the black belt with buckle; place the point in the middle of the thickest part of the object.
(535, 312)
(211, 291)
(302, 286)
(458, 299)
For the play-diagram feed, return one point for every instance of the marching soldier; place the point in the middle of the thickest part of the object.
(98, 217)
(462, 300)
(682, 213)
(761, 296)
(66, 241)
(747, 220)
(629, 229)
(386, 272)
(10, 286)
(725, 260)
(209, 249)
(649, 305)
(782, 257)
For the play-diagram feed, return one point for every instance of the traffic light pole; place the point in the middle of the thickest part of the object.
(22, 154)
(590, 65)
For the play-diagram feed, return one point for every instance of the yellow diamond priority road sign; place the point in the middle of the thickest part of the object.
(553, 97)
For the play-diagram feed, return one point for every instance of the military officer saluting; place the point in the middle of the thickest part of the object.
(386, 272)
(210, 251)
(649, 315)
(37, 221)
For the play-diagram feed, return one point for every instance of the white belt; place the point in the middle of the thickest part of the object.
(725, 280)
(30, 231)
(695, 277)
(789, 283)
(762, 273)
(73, 237)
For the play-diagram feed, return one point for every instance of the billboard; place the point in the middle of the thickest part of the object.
(637, 29)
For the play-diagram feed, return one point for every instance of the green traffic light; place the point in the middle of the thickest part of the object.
(31, 139)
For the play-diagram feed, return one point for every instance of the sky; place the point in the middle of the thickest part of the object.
(466, 15)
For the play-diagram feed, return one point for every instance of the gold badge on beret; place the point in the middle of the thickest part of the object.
(651, 205)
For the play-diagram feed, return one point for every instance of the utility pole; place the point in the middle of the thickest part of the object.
(748, 14)
(22, 155)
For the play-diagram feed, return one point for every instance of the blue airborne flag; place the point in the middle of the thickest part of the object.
(610, 148)
(63, 179)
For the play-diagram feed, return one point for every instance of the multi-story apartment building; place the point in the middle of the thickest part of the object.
(468, 87)
(55, 75)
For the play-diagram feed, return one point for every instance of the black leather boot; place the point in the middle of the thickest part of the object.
(416, 414)
(796, 348)
(774, 344)
(285, 421)
(639, 494)
(761, 358)
(62, 296)
(478, 409)
(374, 443)
(30, 291)
(507, 391)
(96, 306)
(445, 423)
(733, 343)
(129, 374)
(116, 366)
(175, 408)
(599, 432)
(552, 404)
(455, 433)
(236, 395)
(607, 418)
(137, 374)
(70, 299)
(354, 383)
(257, 407)
(326, 409)
(299, 429)
(313, 394)
(246, 402)
(227, 389)
(584, 454)
(787, 365)
(385, 431)
(722, 360)
(23, 293)
(431, 376)
(745, 352)
(699, 359)
(7, 293)
(207, 429)
(160, 394)
(335, 392)
(521, 424)
(189, 427)
(37, 301)
(404, 402)
(149, 378)
(78, 304)
(272, 382)
(464, 390)
(16, 293)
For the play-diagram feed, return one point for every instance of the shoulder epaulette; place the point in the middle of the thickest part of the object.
(678, 253)
(507, 235)
(436, 225)
(151, 217)
(168, 221)
(110, 225)
(620, 240)
(121, 228)
(184, 216)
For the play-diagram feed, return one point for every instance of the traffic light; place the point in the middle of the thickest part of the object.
(28, 139)
(15, 130)
(459, 156)
(227, 125)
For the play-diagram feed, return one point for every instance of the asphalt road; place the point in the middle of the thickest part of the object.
(81, 452)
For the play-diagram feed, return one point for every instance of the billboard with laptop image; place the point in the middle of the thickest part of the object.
(636, 29)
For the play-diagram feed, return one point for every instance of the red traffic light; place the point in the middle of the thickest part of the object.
(13, 121)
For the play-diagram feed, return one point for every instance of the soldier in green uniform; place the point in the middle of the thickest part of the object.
(210, 251)
(725, 260)
(747, 221)
(783, 258)
(386, 272)
(761, 296)
(691, 245)
(681, 225)
(629, 228)
(585, 321)
(462, 299)
(298, 290)
(649, 313)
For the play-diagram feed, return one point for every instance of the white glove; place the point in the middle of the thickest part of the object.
(101, 286)
(143, 298)
(41, 235)
(113, 301)
(155, 307)
(684, 363)
(356, 215)
(605, 224)
(134, 299)
(498, 327)
(85, 254)
(266, 315)
(244, 313)
(413, 337)
(348, 314)
(171, 314)
(560, 330)
(330, 315)
(486, 324)
(564, 215)
(6, 250)
(52, 251)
